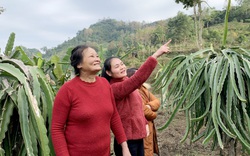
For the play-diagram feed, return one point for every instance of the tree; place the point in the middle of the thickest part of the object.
(180, 28)
(1, 10)
(159, 34)
(212, 36)
(245, 10)
(197, 18)
(44, 49)
(208, 16)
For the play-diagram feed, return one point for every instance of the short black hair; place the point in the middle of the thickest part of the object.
(77, 57)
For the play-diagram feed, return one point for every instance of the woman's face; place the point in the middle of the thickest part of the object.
(91, 61)
(118, 69)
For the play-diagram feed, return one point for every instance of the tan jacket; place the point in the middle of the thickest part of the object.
(150, 142)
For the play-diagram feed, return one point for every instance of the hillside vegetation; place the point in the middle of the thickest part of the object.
(138, 40)
(112, 37)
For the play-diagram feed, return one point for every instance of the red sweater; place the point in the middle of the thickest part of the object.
(129, 102)
(83, 114)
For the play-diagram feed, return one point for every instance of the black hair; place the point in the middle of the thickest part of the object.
(107, 67)
(77, 57)
(131, 71)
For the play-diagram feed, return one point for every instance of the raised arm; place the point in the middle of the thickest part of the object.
(124, 88)
(164, 49)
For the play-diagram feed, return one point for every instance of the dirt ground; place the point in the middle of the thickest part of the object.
(169, 140)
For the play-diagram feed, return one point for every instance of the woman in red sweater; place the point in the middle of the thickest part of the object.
(84, 111)
(151, 105)
(128, 99)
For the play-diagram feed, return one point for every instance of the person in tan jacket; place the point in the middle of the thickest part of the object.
(151, 105)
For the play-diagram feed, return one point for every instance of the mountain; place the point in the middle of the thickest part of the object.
(112, 37)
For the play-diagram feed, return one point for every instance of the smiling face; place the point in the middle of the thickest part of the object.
(118, 69)
(91, 61)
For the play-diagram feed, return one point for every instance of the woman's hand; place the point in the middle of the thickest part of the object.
(149, 106)
(164, 49)
(147, 130)
(125, 150)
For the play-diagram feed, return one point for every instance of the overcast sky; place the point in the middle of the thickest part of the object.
(49, 23)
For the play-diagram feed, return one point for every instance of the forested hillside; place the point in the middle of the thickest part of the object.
(111, 37)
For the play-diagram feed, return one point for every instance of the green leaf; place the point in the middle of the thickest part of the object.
(220, 122)
(10, 44)
(2, 153)
(185, 95)
(35, 113)
(226, 23)
(13, 71)
(214, 102)
(229, 106)
(21, 55)
(48, 93)
(223, 76)
(39, 121)
(7, 111)
(18, 64)
(24, 120)
(209, 136)
(58, 67)
(166, 71)
(232, 76)
(33, 139)
(35, 83)
(207, 102)
(194, 98)
(187, 126)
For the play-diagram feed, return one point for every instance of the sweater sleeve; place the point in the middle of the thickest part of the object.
(124, 88)
(149, 99)
(59, 117)
(154, 102)
(116, 124)
(149, 114)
